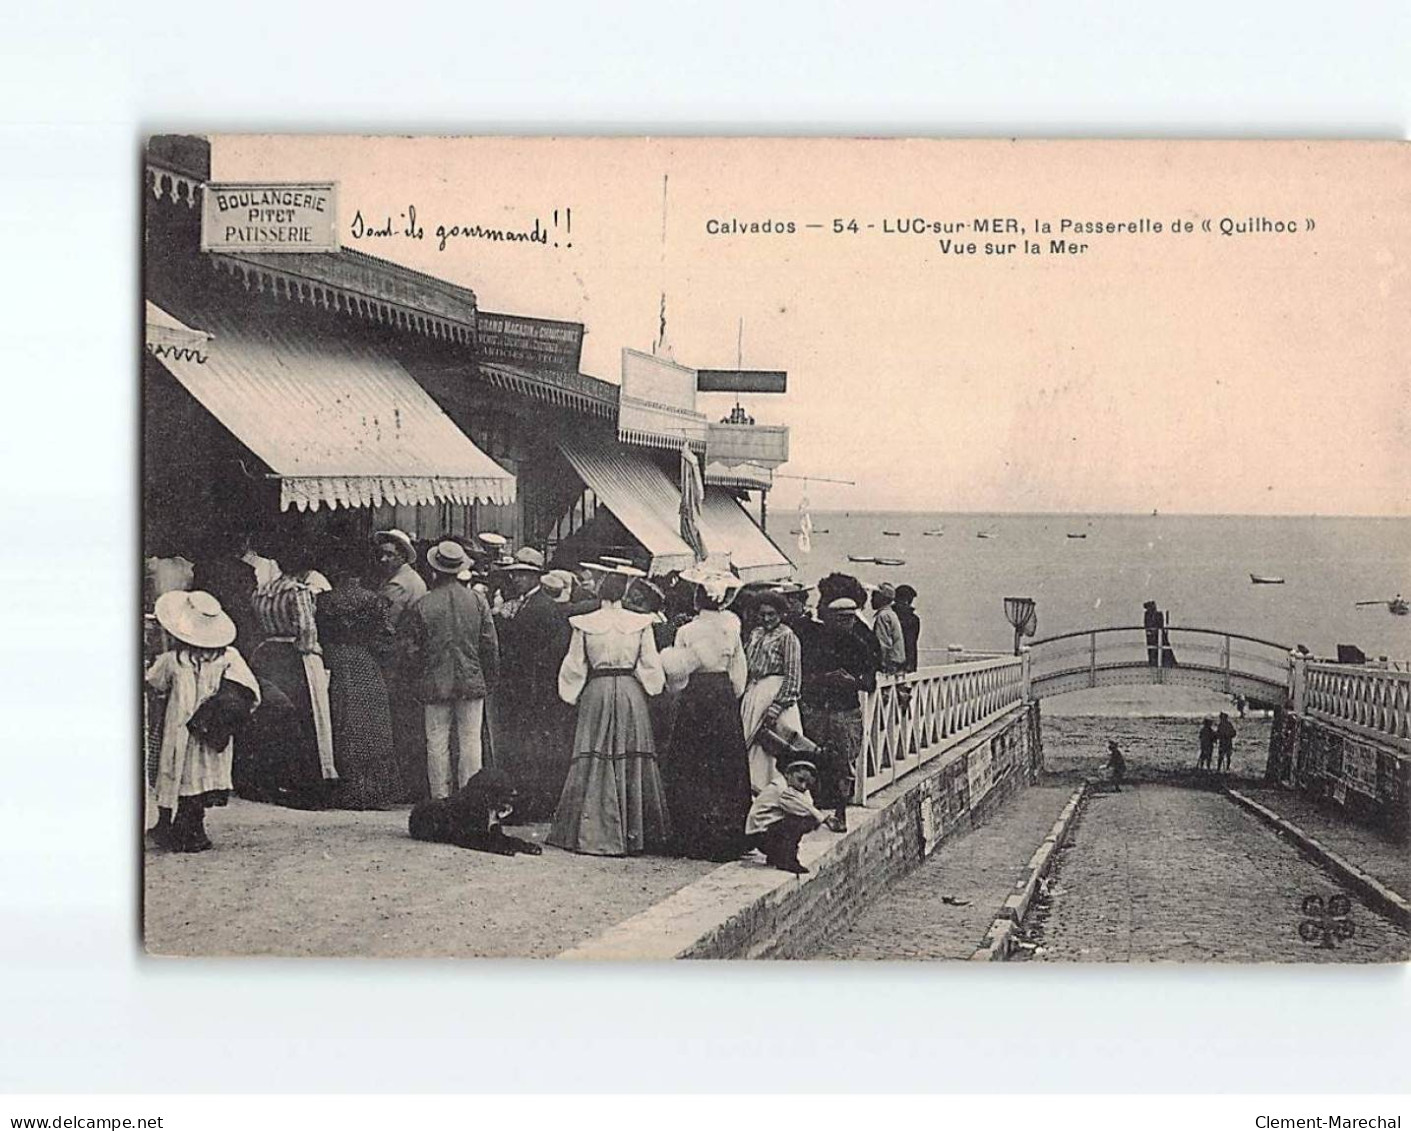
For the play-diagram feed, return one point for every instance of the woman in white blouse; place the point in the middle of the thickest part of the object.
(612, 803)
(706, 771)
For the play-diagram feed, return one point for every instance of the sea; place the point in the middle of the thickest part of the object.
(1196, 567)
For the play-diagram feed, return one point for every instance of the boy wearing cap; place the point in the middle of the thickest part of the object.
(781, 814)
(840, 660)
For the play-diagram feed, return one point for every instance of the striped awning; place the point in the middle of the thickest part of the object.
(648, 503)
(338, 423)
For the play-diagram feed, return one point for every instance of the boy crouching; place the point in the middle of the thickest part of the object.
(781, 814)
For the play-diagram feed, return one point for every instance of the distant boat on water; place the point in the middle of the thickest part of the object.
(892, 533)
(891, 561)
(815, 532)
(1397, 606)
(933, 533)
(1260, 579)
(982, 534)
(1077, 536)
(861, 558)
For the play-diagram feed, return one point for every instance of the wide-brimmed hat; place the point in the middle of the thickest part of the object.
(773, 599)
(720, 587)
(195, 618)
(843, 604)
(447, 557)
(606, 560)
(527, 557)
(598, 567)
(401, 539)
(629, 571)
(786, 740)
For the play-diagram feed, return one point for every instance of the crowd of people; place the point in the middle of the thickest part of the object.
(689, 714)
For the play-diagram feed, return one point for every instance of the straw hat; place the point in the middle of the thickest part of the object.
(401, 538)
(490, 538)
(447, 557)
(553, 583)
(843, 604)
(527, 558)
(720, 587)
(195, 618)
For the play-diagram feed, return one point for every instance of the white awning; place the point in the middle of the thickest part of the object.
(163, 329)
(646, 501)
(338, 423)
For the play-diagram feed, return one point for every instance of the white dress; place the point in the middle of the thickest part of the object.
(186, 766)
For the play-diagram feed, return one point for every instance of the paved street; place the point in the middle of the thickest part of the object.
(1159, 873)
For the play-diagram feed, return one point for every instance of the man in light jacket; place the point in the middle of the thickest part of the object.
(458, 661)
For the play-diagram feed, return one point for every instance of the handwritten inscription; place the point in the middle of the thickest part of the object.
(408, 226)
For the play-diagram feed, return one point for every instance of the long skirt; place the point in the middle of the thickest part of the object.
(707, 773)
(535, 747)
(759, 697)
(283, 765)
(368, 775)
(612, 802)
(408, 733)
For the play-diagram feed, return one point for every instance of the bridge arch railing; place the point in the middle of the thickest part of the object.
(1219, 658)
(911, 719)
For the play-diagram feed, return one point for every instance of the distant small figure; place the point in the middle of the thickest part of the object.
(1225, 735)
(1207, 743)
(1241, 705)
(1117, 765)
(1153, 622)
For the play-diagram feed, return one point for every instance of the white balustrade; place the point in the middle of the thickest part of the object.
(1374, 701)
(947, 704)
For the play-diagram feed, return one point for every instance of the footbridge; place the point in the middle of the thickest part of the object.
(1213, 658)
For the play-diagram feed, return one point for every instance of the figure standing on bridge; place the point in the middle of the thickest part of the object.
(1158, 641)
(1207, 743)
(1153, 621)
(1225, 735)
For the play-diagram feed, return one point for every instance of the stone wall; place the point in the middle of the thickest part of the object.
(900, 828)
(1369, 782)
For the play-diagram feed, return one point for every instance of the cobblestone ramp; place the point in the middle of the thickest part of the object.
(913, 919)
(1157, 873)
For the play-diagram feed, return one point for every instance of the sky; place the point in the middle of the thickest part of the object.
(1257, 372)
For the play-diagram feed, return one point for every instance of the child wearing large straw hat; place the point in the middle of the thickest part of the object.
(209, 690)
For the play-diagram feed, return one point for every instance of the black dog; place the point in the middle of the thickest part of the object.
(470, 818)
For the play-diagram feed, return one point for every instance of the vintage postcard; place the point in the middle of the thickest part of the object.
(776, 548)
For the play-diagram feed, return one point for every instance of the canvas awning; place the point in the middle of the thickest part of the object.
(646, 501)
(165, 330)
(338, 423)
